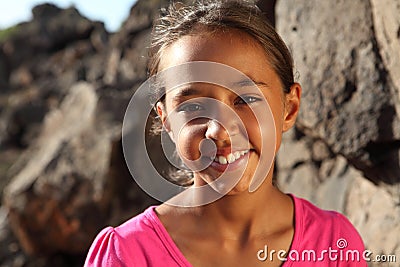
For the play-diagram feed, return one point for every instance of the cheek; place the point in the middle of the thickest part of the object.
(275, 100)
(265, 128)
(253, 130)
(278, 113)
(188, 141)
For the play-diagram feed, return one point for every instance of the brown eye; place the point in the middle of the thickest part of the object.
(242, 100)
(190, 107)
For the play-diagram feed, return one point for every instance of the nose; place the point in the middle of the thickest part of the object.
(220, 131)
(216, 131)
(224, 122)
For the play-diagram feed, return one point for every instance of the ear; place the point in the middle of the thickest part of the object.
(162, 113)
(292, 106)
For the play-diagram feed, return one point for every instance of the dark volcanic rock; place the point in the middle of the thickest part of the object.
(346, 53)
(51, 197)
(4, 72)
(72, 180)
(347, 98)
(65, 184)
(50, 30)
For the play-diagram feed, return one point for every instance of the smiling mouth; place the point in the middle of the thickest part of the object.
(230, 158)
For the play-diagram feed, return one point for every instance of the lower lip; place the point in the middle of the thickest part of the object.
(231, 166)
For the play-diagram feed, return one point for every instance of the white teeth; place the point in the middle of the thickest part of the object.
(230, 158)
(222, 160)
(237, 154)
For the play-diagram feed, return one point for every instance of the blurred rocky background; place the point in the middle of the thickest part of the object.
(65, 83)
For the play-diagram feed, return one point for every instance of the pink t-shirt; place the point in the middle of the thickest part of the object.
(321, 238)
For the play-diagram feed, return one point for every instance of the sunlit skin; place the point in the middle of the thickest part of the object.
(230, 231)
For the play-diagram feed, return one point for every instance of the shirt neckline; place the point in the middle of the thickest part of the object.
(298, 228)
(178, 256)
(166, 239)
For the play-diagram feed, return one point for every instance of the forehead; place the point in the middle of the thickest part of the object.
(234, 48)
(231, 47)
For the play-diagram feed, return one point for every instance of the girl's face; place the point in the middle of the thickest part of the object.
(240, 51)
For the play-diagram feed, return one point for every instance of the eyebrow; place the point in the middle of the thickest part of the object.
(185, 92)
(190, 91)
(250, 82)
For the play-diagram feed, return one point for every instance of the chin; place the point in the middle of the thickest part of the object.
(212, 180)
(240, 188)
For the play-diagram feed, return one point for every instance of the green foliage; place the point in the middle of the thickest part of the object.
(7, 33)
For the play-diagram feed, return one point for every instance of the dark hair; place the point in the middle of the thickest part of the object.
(179, 20)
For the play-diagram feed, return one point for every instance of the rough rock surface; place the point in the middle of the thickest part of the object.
(348, 99)
(387, 33)
(347, 134)
(64, 102)
(53, 190)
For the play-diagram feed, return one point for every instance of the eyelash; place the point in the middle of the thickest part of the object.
(186, 107)
(245, 100)
(194, 107)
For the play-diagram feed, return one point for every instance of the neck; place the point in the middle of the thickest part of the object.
(246, 215)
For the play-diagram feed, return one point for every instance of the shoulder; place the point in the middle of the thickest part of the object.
(324, 228)
(324, 238)
(116, 246)
(312, 216)
(104, 251)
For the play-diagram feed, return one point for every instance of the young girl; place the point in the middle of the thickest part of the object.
(251, 222)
